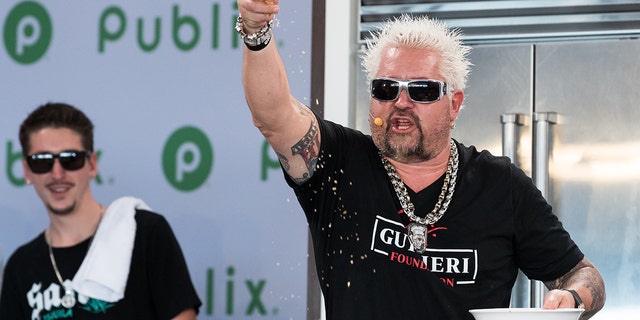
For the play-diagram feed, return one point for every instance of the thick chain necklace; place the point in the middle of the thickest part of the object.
(417, 230)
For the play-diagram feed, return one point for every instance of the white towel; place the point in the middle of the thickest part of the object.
(104, 271)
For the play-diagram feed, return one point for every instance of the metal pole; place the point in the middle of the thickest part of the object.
(510, 134)
(511, 123)
(541, 151)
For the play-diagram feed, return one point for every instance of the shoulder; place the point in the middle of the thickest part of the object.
(151, 222)
(146, 216)
(473, 159)
(153, 233)
(331, 130)
(483, 168)
(340, 143)
(28, 250)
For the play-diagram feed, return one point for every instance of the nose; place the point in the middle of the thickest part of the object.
(57, 171)
(404, 101)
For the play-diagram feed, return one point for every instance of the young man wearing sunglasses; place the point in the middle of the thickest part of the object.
(92, 261)
(408, 223)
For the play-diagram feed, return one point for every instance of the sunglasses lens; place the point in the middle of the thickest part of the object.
(69, 160)
(384, 89)
(424, 91)
(40, 163)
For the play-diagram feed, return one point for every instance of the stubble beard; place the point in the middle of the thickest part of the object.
(61, 212)
(400, 148)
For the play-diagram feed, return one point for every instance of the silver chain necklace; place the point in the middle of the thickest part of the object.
(417, 229)
(69, 298)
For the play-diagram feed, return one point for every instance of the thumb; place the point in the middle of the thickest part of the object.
(555, 299)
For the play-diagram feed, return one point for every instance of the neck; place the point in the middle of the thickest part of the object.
(418, 176)
(69, 230)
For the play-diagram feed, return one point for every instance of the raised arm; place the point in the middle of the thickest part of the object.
(288, 125)
(586, 281)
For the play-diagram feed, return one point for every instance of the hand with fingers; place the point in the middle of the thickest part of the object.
(256, 14)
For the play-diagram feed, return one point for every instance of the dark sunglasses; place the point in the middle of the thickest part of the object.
(70, 160)
(421, 91)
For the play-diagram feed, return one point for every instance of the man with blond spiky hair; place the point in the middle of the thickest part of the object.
(408, 223)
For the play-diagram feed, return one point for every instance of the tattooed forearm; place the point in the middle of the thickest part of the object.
(584, 274)
(596, 305)
(575, 275)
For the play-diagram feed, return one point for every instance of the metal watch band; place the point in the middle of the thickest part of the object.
(576, 297)
(255, 41)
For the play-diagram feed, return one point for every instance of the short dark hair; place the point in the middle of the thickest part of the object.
(56, 115)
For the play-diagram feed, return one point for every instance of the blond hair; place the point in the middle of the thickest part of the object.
(423, 33)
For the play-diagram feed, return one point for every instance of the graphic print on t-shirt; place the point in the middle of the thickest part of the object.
(46, 303)
(454, 266)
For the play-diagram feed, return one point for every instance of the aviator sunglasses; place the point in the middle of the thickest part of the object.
(421, 91)
(70, 160)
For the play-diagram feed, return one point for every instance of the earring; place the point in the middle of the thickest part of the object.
(27, 181)
(452, 125)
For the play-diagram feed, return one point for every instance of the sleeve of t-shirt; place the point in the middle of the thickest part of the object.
(339, 146)
(10, 303)
(544, 249)
(170, 282)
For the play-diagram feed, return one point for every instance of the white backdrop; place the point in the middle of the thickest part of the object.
(238, 223)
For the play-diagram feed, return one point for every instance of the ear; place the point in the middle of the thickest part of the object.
(93, 164)
(27, 171)
(457, 96)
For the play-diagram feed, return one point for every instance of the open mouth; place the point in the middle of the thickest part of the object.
(402, 124)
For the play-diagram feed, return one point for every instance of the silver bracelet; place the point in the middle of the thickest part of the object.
(255, 41)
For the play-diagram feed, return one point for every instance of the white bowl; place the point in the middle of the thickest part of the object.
(526, 314)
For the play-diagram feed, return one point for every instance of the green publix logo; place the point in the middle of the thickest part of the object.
(28, 30)
(255, 305)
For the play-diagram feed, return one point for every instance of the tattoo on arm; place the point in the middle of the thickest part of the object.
(286, 166)
(308, 148)
(583, 274)
(284, 161)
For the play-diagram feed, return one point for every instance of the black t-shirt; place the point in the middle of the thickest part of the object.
(497, 222)
(158, 287)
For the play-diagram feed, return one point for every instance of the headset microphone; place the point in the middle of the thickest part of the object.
(377, 121)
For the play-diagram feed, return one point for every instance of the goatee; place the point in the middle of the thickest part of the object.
(399, 150)
(63, 211)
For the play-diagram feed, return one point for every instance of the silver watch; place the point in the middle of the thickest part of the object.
(255, 40)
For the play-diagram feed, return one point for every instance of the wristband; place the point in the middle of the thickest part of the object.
(576, 297)
(255, 41)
